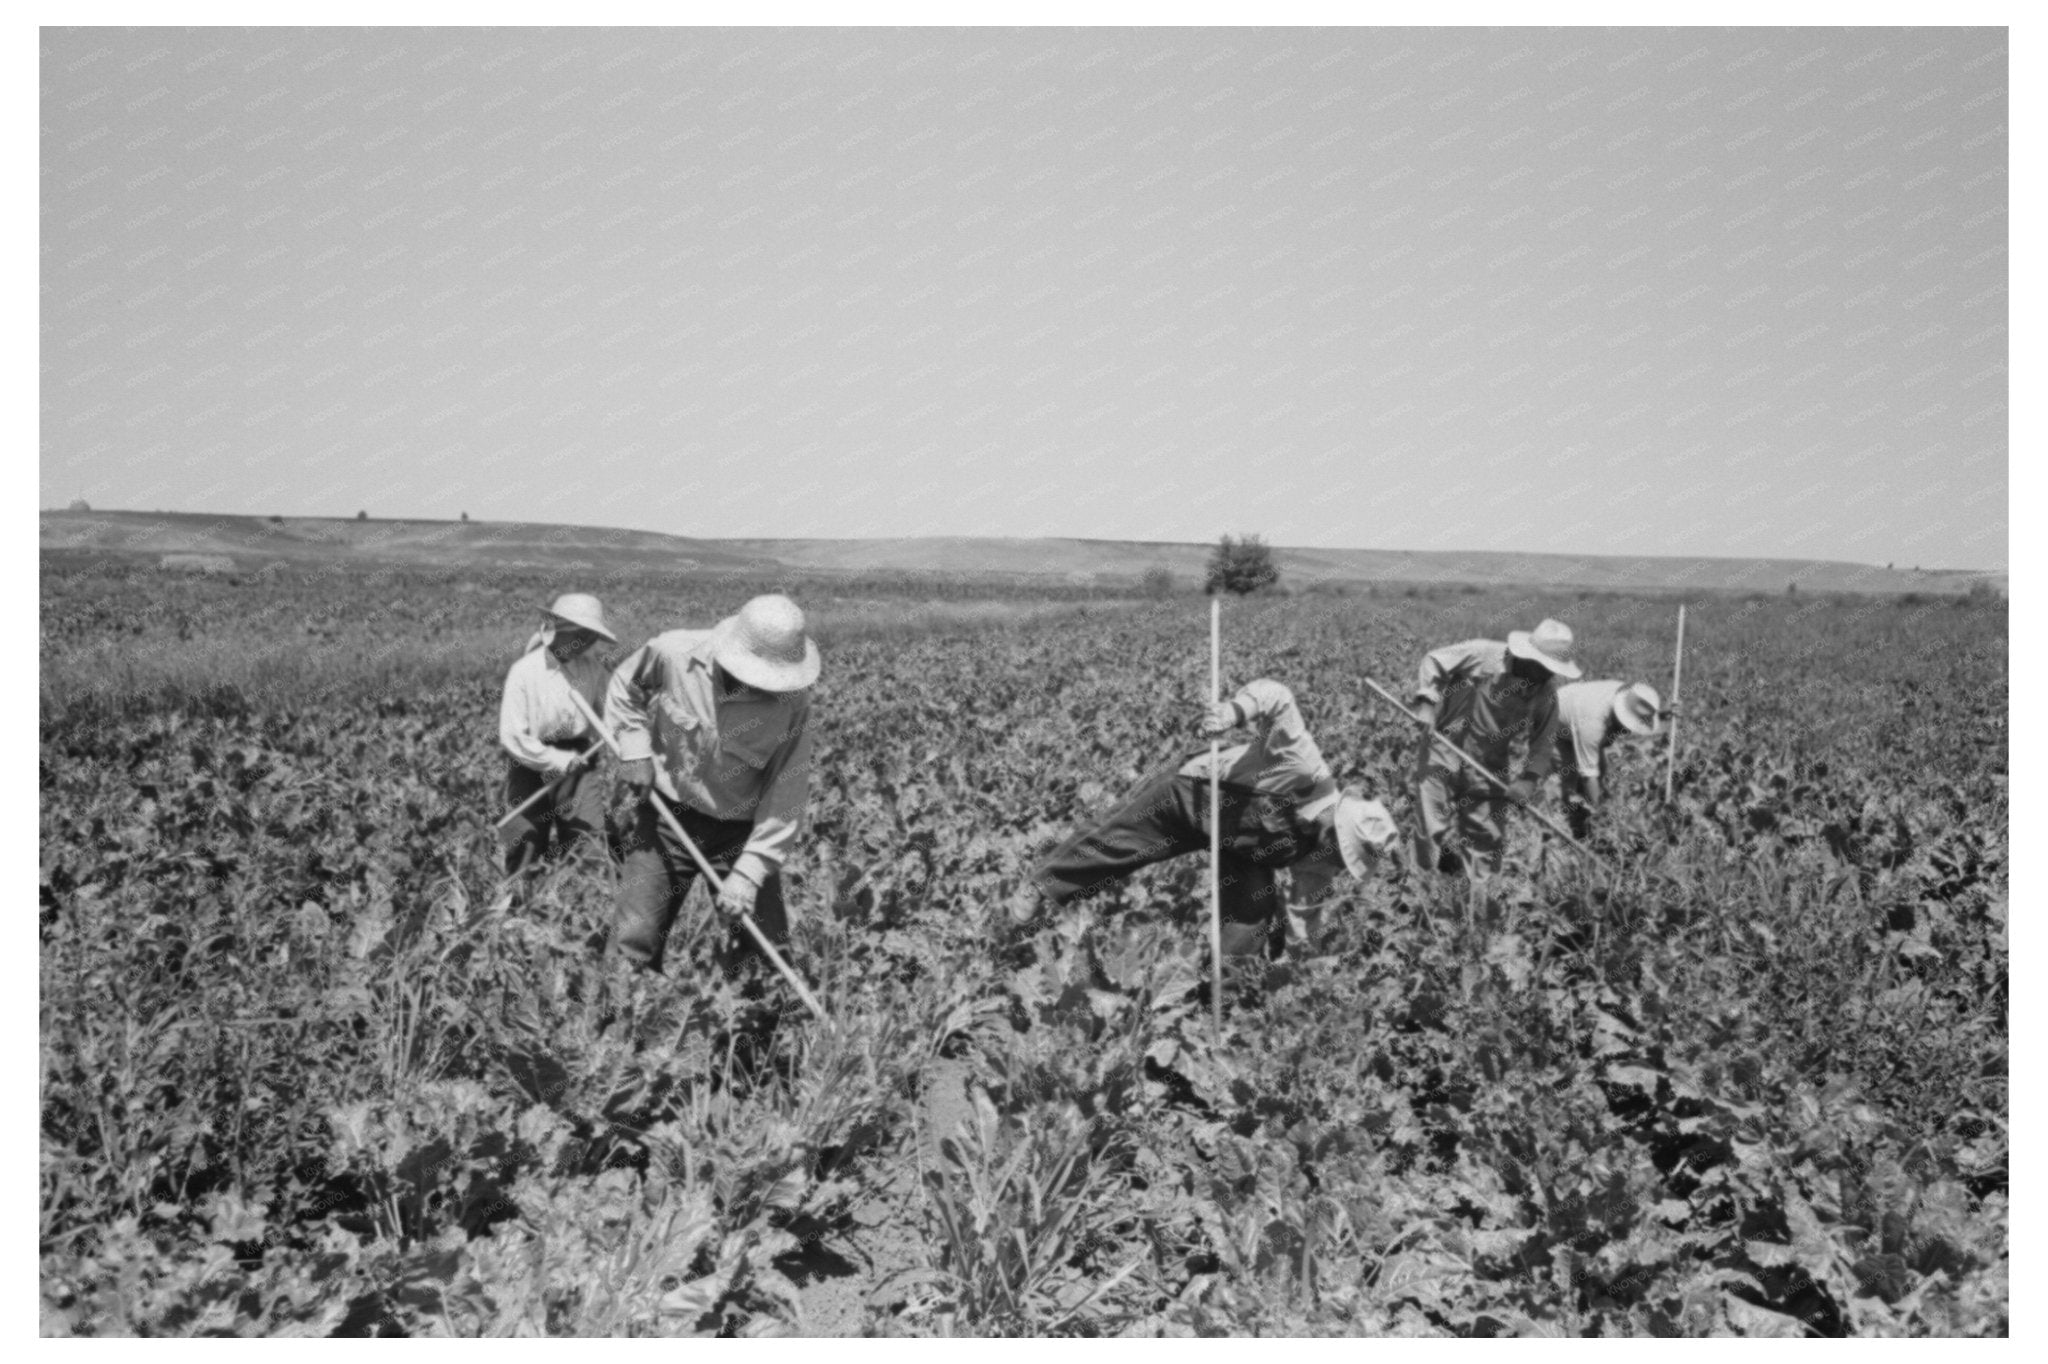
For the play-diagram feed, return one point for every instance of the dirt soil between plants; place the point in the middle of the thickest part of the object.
(889, 1240)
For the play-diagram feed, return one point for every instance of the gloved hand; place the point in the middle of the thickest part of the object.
(1523, 789)
(636, 776)
(736, 896)
(1219, 718)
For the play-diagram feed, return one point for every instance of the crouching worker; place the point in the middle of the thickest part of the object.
(716, 723)
(546, 738)
(1592, 715)
(1280, 808)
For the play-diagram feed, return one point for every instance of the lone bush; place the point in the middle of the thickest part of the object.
(1241, 565)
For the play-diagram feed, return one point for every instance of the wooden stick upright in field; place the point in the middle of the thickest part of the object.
(1216, 822)
(1677, 669)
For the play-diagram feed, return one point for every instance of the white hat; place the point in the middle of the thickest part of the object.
(1549, 644)
(1637, 707)
(763, 644)
(582, 609)
(1364, 830)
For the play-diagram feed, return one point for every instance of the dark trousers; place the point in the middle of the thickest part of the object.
(1168, 816)
(659, 872)
(1449, 798)
(1576, 812)
(573, 810)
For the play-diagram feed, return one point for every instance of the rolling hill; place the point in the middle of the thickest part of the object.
(251, 542)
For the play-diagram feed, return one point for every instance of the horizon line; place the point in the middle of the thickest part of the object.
(1072, 539)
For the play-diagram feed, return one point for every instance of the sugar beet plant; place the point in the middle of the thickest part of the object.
(308, 1068)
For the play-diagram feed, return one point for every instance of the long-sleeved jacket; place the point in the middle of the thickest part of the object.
(536, 715)
(1282, 757)
(735, 760)
(1483, 708)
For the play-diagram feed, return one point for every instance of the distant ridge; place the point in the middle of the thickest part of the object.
(254, 541)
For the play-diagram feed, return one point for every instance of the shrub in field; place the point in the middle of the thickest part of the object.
(1241, 565)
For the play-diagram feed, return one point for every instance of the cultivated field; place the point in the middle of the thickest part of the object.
(306, 1069)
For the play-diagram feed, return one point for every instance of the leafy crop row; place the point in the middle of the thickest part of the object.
(308, 1068)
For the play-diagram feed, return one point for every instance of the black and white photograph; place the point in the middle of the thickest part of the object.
(868, 678)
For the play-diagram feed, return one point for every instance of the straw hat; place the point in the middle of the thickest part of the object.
(1364, 830)
(1637, 707)
(1549, 644)
(582, 610)
(763, 644)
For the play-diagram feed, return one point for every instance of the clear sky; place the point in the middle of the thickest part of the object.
(1691, 291)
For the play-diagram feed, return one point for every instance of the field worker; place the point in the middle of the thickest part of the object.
(546, 737)
(1482, 695)
(717, 721)
(1592, 715)
(1280, 807)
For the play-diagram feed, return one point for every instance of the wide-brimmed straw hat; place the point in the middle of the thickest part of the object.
(1364, 831)
(583, 610)
(763, 644)
(1637, 706)
(1549, 644)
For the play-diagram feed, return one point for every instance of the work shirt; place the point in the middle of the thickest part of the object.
(1282, 758)
(536, 716)
(1482, 707)
(1583, 710)
(746, 759)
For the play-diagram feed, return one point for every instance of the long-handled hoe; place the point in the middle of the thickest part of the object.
(711, 877)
